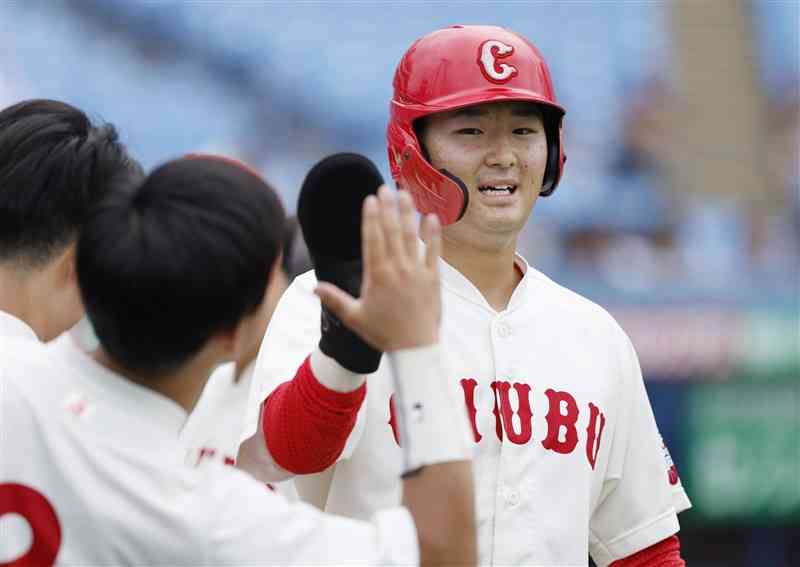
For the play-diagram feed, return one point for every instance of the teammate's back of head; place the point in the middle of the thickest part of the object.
(185, 255)
(54, 166)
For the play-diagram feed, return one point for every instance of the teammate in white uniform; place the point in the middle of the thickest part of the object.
(94, 475)
(570, 460)
(97, 474)
(214, 428)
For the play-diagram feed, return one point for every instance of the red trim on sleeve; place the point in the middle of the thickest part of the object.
(665, 553)
(306, 424)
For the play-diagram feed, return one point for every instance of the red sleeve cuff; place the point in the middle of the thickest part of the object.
(666, 553)
(306, 424)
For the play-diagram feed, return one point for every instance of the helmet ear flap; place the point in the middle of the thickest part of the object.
(434, 191)
(461, 185)
(555, 153)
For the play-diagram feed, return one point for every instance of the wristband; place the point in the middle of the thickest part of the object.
(432, 421)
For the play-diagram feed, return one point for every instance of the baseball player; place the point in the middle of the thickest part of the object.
(54, 166)
(214, 427)
(569, 459)
(94, 468)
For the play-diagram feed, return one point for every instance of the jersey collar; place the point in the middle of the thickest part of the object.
(11, 327)
(148, 405)
(458, 283)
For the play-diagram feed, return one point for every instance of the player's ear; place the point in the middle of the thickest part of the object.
(278, 282)
(226, 343)
(65, 267)
(65, 272)
(236, 342)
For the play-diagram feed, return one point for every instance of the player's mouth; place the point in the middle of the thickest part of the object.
(497, 190)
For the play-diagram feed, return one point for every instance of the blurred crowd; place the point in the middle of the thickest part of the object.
(273, 85)
(651, 234)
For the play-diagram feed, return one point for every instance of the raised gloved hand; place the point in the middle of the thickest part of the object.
(329, 212)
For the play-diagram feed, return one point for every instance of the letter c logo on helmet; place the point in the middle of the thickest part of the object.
(488, 54)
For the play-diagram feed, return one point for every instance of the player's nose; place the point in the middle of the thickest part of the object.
(500, 153)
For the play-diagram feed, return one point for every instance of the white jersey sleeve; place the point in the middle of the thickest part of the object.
(639, 501)
(277, 532)
(293, 333)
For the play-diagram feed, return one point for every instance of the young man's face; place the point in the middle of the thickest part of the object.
(499, 150)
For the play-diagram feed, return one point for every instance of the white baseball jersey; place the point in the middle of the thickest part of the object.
(569, 458)
(93, 473)
(214, 428)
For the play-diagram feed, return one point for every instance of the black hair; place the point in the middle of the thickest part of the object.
(185, 255)
(54, 167)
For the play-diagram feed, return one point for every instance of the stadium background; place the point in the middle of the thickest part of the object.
(679, 210)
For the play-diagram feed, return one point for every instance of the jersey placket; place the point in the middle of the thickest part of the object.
(513, 487)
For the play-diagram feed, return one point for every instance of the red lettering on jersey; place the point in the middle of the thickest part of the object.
(468, 385)
(42, 518)
(525, 414)
(556, 420)
(498, 425)
(393, 420)
(592, 447)
(672, 470)
(205, 452)
(209, 453)
(672, 475)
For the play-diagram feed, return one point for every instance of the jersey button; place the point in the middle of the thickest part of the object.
(512, 497)
(503, 329)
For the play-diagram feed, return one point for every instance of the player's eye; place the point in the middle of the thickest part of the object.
(525, 131)
(469, 131)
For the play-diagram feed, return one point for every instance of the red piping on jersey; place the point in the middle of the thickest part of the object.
(666, 553)
(306, 424)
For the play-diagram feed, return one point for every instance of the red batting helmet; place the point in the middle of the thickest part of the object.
(457, 67)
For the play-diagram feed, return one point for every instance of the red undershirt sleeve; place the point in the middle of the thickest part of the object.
(306, 424)
(666, 553)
